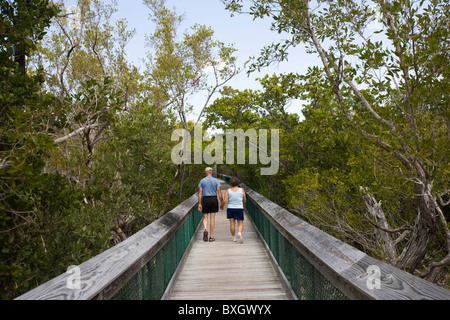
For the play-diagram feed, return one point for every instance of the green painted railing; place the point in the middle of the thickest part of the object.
(305, 280)
(151, 281)
(319, 266)
(138, 268)
(316, 265)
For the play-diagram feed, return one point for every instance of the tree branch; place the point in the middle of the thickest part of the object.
(74, 133)
(400, 229)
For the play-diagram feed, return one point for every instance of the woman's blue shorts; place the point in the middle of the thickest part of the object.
(236, 214)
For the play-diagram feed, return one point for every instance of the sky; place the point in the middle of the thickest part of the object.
(248, 36)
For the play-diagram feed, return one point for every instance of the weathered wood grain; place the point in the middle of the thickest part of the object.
(224, 270)
(343, 265)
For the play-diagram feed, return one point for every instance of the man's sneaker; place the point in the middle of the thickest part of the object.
(234, 239)
(239, 238)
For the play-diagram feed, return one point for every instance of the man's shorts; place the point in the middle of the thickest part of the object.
(236, 214)
(210, 204)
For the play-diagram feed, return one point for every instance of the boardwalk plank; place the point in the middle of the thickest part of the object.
(224, 270)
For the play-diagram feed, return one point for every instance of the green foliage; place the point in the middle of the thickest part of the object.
(376, 115)
(24, 141)
(179, 68)
(130, 172)
(234, 110)
(54, 212)
(85, 138)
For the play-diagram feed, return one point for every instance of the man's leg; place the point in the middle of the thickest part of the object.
(205, 221)
(205, 226)
(212, 219)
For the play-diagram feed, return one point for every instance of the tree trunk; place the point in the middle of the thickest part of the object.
(20, 53)
(20, 58)
(169, 193)
(183, 171)
(383, 237)
(436, 268)
(424, 229)
(122, 226)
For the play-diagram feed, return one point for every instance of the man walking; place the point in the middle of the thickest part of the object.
(209, 189)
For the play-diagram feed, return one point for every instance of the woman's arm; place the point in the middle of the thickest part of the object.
(225, 199)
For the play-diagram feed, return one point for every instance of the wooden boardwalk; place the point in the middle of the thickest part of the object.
(226, 270)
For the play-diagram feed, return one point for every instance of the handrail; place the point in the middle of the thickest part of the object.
(354, 273)
(104, 275)
(346, 268)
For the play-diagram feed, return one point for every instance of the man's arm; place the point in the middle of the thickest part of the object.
(219, 192)
(200, 191)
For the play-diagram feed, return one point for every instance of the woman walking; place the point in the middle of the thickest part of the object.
(235, 199)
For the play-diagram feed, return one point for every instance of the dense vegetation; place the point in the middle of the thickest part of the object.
(369, 164)
(86, 137)
(85, 152)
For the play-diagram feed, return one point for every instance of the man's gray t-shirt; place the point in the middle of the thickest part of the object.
(209, 186)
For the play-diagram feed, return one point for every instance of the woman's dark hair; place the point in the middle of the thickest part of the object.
(234, 181)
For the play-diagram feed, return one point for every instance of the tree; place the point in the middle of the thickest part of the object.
(89, 72)
(130, 171)
(24, 138)
(178, 69)
(395, 95)
(84, 156)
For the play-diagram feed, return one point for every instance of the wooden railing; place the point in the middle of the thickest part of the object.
(355, 274)
(105, 274)
(293, 242)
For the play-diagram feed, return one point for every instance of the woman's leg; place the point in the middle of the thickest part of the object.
(240, 229)
(232, 226)
(240, 225)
